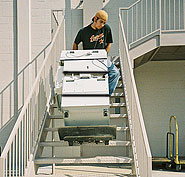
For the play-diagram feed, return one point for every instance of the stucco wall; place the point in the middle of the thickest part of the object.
(112, 8)
(40, 28)
(161, 88)
(41, 22)
(6, 42)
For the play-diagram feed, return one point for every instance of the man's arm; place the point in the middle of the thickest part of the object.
(108, 47)
(75, 46)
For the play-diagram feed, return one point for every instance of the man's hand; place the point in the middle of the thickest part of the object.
(75, 46)
(108, 47)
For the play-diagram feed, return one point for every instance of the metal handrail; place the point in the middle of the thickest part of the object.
(42, 51)
(140, 145)
(55, 21)
(140, 21)
(127, 8)
(10, 85)
(17, 155)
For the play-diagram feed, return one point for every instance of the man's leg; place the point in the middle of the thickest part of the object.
(113, 78)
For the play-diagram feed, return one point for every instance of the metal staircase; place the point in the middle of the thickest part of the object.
(52, 151)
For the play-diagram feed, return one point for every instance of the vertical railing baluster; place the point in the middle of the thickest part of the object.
(174, 15)
(155, 4)
(6, 166)
(142, 34)
(169, 14)
(151, 16)
(44, 53)
(132, 25)
(35, 68)
(160, 14)
(183, 15)
(127, 25)
(165, 14)
(24, 130)
(1, 110)
(10, 108)
(146, 19)
(180, 14)
(16, 154)
(20, 150)
(23, 88)
(27, 136)
(136, 22)
(13, 154)
(10, 161)
(30, 126)
(22, 146)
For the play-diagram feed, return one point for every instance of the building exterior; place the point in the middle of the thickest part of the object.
(155, 34)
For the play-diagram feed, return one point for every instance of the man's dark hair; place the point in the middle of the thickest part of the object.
(96, 19)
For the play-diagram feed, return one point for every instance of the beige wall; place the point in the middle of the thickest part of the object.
(41, 22)
(6, 42)
(40, 36)
(161, 88)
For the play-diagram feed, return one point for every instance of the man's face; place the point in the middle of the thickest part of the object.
(99, 23)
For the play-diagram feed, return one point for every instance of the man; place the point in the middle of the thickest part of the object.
(97, 35)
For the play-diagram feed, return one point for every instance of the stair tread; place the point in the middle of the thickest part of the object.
(115, 59)
(117, 95)
(63, 144)
(53, 106)
(56, 129)
(117, 104)
(94, 160)
(113, 116)
(119, 85)
(55, 117)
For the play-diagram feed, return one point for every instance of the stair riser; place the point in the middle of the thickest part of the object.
(118, 110)
(85, 151)
(102, 151)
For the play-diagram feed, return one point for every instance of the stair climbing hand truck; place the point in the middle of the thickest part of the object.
(83, 97)
(172, 156)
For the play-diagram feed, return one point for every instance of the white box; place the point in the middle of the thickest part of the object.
(85, 90)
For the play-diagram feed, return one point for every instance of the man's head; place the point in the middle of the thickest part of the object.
(100, 19)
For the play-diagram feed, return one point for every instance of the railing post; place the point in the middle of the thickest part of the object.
(2, 167)
(160, 13)
(15, 53)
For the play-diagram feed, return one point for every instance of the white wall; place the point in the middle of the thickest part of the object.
(161, 88)
(41, 22)
(6, 42)
(112, 8)
(40, 36)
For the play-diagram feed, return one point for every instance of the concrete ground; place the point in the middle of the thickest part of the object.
(92, 171)
(160, 173)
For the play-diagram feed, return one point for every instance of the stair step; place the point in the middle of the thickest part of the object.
(53, 105)
(119, 86)
(53, 143)
(115, 59)
(117, 64)
(115, 105)
(56, 129)
(55, 117)
(117, 95)
(84, 161)
(117, 116)
(63, 144)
